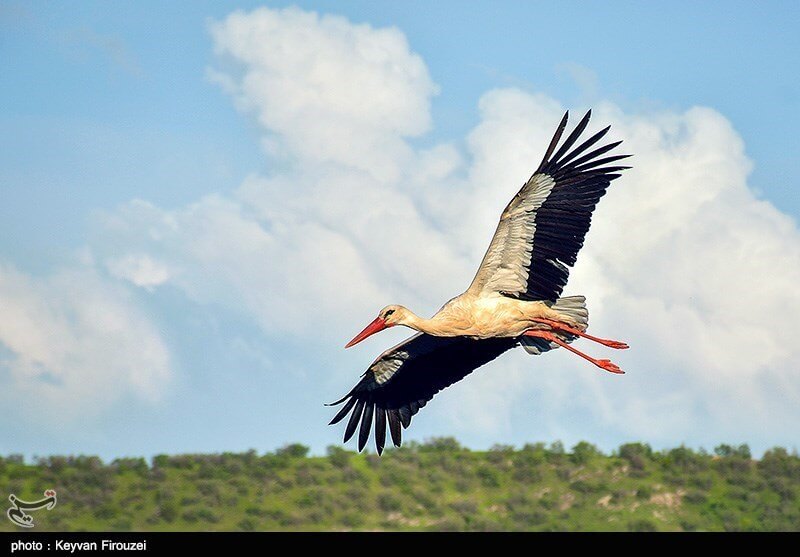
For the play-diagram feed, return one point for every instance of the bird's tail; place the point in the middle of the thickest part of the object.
(573, 307)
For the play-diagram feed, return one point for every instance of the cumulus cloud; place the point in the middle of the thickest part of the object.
(73, 343)
(683, 260)
(330, 90)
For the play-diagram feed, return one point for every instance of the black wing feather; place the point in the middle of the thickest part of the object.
(597, 163)
(555, 140)
(403, 379)
(587, 157)
(394, 427)
(586, 144)
(380, 430)
(354, 417)
(570, 141)
(366, 424)
(343, 411)
(405, 415)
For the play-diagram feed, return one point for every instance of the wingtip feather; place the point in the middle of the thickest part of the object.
(571, 139)
(354, 419)
(342, 412)
(380, 430)
(554, 141)
(366, 425)
(394, 427)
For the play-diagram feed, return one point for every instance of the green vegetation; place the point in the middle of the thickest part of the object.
(438, 485)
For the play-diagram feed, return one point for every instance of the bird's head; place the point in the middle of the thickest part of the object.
(387, 317)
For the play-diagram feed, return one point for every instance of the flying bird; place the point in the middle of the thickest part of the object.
(514, 299)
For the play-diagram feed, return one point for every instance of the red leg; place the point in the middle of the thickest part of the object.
(573, 331)
(607, 365)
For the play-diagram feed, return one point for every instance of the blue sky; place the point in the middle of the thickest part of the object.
(155, 172)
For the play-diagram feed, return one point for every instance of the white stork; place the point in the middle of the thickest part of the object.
(513, 300)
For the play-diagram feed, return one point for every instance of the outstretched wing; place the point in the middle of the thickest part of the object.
(544, 226)
(404, 378)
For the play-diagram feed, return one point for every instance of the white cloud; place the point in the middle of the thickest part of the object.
(141, 270)
(683, 261)
(74, 343)
(330, 90)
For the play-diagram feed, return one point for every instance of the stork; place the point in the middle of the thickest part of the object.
(514, 299)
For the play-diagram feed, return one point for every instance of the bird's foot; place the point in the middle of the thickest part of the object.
(558, 326)
(613, 344)
(609, 366)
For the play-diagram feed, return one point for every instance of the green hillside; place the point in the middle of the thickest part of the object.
(433, 486)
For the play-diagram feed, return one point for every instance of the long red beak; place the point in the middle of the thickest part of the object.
(374, 327)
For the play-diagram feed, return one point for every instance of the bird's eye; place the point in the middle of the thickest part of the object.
(388, 313)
